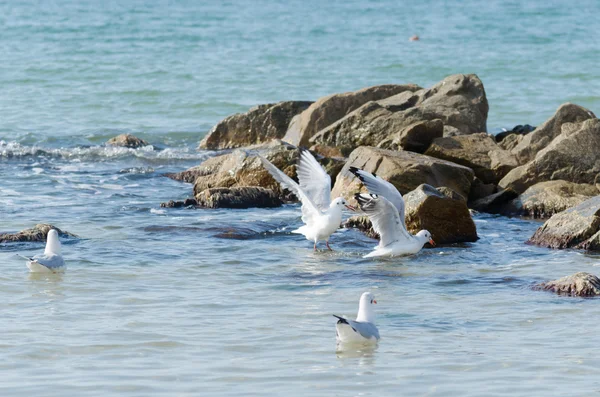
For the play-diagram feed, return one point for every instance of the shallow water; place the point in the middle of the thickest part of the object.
(181, 302)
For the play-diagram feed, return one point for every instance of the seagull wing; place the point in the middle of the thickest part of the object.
(385, 219)
(310, 211)
(51, 261)
(366, 330)
(381, 187)
(314, 181)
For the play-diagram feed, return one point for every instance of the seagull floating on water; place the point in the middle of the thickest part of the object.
(322, 217)
(51, 260)
(361, 330)
(385, 208)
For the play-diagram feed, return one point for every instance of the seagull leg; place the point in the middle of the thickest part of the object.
(327, 243)
(315, 248)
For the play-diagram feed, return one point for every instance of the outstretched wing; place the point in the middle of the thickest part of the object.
(314, 181)
(385, 218)
(381, 187)
(309, 210)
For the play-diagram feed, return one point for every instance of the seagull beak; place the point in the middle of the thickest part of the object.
(432, 242)
(374, 301)
(351, 208)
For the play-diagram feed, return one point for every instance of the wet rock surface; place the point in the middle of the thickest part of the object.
(189, 202)
(579, 284)
(238, 197)
(37, 233)
(128, 141)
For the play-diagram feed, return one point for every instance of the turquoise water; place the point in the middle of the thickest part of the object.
(180, 302)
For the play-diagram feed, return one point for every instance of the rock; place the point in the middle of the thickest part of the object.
(545, 199)
(541, 137)
(37, 233)
(327, 151)
(405, 170)
(238, 197)
(573, 156)
(189, 202)
(458, 101)
(447, 219)
(489, 162)
(241, 168)
(260, 124)
(517, 130)
(329, 109)
(416, 137)
(510, 141)
(578, 284)
(128, 141)
(494, 203)
(480, 190)
(576, 227)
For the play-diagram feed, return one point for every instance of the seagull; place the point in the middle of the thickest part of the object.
(51, 260)
(385, 207)
(321, 216)
(363, 329)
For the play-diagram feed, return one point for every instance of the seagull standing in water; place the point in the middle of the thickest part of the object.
(385, 208)
(361, 330)
(321, 216)
(51, 260)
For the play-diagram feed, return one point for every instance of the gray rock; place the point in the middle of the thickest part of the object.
(127, 140)
(38, 233)
(238, 197)
(494, 203)
(577, 227)
(459, 101)
(578, 284)
(329, 109)
(189, 202)
(260, 124)
(416, 137)
(405, 170)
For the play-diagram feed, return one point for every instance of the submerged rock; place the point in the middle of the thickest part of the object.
(128, 141)
(459, 101)
(405, 170)
(260, 124)
(238, 197)
(329, 109)
(578, 284)
(445, 216)
(577, 227)
(37, 233)
(189, 202)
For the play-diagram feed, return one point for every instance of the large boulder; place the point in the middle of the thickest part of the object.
(529, 145)
(127, 141)
(545, 199)
(37, 233)
(416, 137)
(405, 170)
(459, 101)
(579, 284)
(238, 197)
(476, 151)
(573, 156)
(329, 109)
(577, 227)
(260, 124)
(445, 216)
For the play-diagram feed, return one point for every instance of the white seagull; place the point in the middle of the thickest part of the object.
(51, 260)
(385, 208)
(361, 330)
(322, 217)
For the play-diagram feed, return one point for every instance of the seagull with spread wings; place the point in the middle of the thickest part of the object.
(385, 207)
(321, 216)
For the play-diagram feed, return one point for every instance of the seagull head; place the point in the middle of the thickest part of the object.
(366, 311)
(425, 237)
(339, 202)
(52, 243)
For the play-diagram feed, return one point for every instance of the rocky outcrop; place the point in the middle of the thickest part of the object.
(127, 140)
(37, 233)
(545, 199)
(260, 124)
(530, 144)
(329, 109)
(405, 170)
(476, 151)
(189, 202)
(445, 216)
(459, 101)
(238, 197)
(577, 227)
(495, 203)
(572, 156)
(416, 137)
(578, 284)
